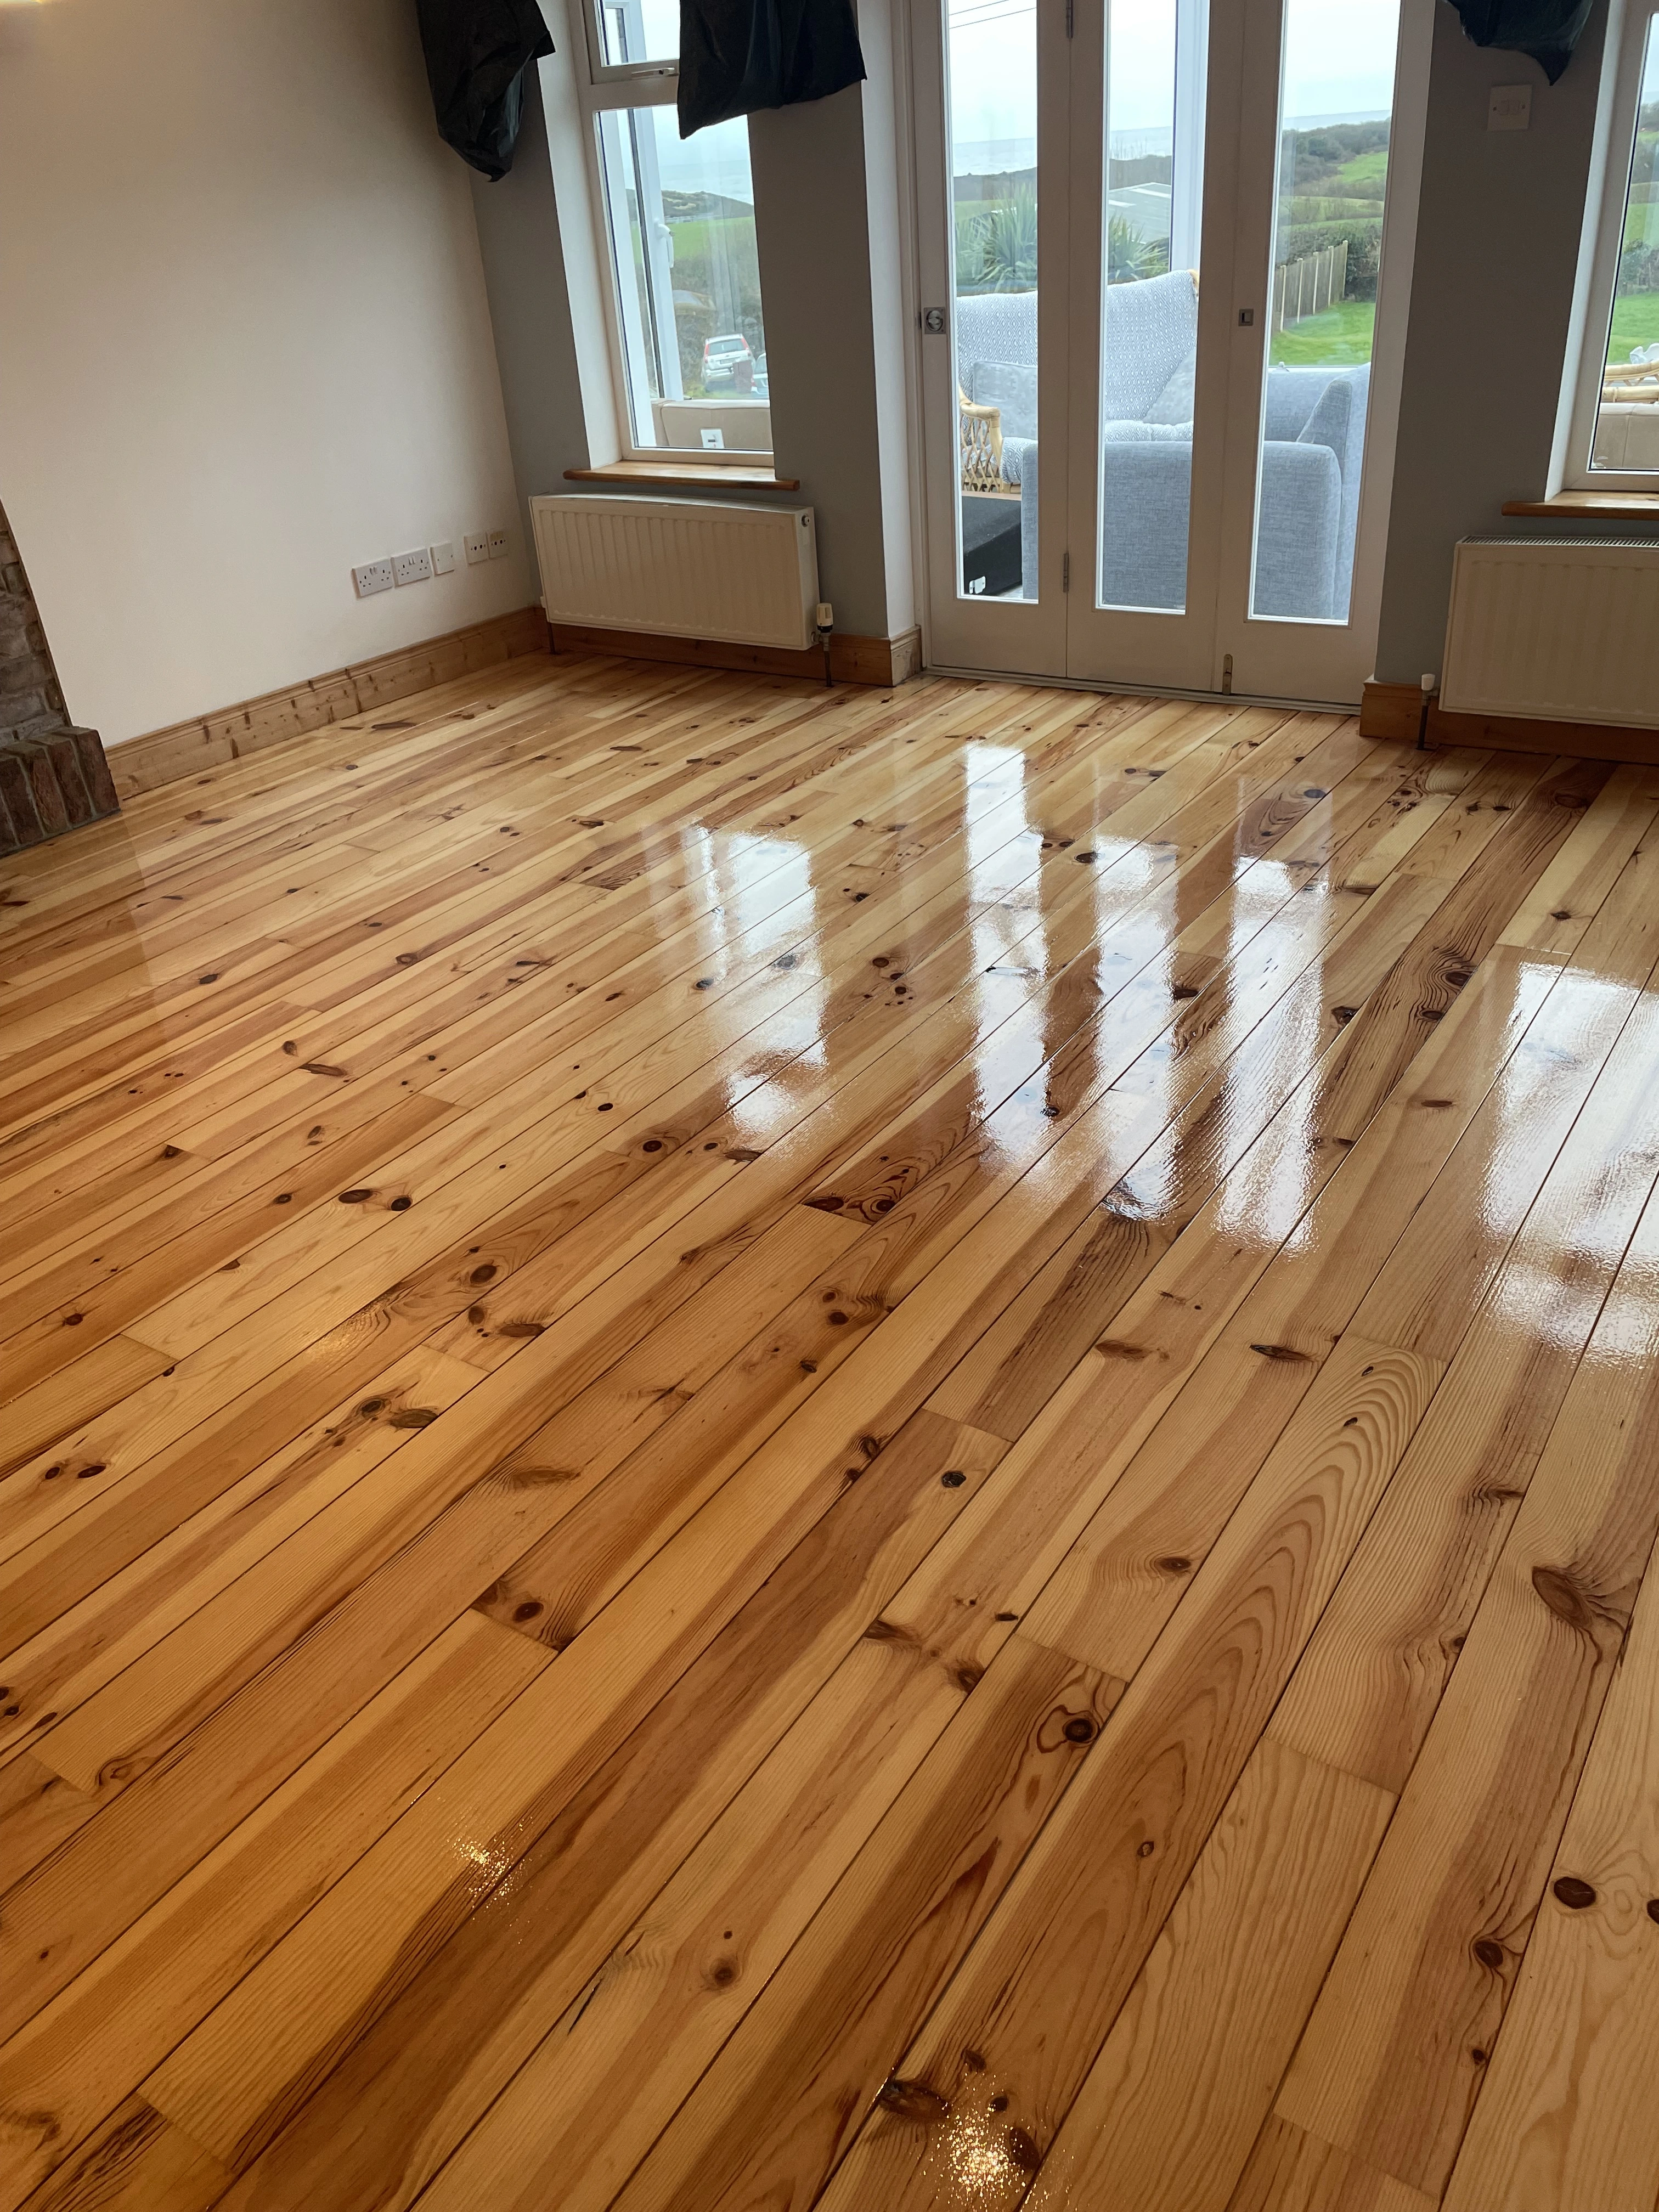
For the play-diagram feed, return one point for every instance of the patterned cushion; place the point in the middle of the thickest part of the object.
(1146, 434)
(1174, 403)
(1010, 385)
(1150, 328)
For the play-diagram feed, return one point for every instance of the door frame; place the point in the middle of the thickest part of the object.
(1273, 659)
(1025, 637)
(1324, 663)
(1161, 648)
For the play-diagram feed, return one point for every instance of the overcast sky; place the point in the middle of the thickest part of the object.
(1340, 56)
(1339, 53)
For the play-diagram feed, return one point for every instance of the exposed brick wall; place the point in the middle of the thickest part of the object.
(53, 777)
(29, 697)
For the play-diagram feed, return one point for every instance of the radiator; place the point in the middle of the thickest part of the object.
(692, 568)
(1563, 629)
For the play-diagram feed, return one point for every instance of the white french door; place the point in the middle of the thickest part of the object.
(1164, 260)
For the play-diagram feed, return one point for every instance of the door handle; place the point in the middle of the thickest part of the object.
(932, 321)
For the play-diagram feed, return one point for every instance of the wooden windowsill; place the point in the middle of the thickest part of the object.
(1594, 506)
(721, 477)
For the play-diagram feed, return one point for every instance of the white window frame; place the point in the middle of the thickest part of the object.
(1621, 105)
(604, 90)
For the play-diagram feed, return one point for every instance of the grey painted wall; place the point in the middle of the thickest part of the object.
(529, 308)
(1498, 230)
(812, 220)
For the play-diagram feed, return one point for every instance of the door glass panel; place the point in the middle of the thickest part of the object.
(1336, 106)
(991, 106)
(1153, 178)
(1627, 418)
(681, 214)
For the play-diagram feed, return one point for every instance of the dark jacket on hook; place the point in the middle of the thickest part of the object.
(1548, 30)
(737, 56)
(476, 52)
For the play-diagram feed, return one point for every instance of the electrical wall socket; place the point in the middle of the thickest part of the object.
(443, 558)
(476, 544)
(497, 544)
(412, 567)
(373, 576)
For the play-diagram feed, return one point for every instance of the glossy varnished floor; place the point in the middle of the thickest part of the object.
(769, 1447)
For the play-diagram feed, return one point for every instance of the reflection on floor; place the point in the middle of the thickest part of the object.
(780, 1447)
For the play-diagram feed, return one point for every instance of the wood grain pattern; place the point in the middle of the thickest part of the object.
(1463, 1869)
(773, 1445)
(1214, 2014)
(1087, 1903)
(1563, 2117)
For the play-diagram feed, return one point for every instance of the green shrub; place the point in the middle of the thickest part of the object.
(1129, 256)
(1007, 245)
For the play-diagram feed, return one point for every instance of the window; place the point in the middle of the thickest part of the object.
(1615, 423)
(687, 339)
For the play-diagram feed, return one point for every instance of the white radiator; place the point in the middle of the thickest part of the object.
(693, 568)
(1565, 629)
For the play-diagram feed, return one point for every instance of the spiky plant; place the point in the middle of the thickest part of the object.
(1008, 245)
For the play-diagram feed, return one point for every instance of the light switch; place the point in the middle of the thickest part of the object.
(1509, 107)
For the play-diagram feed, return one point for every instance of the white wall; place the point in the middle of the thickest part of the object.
(244, 344)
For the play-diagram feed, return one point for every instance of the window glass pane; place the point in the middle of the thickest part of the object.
(1628, 420)
(990, 85)
(1154, 190)
(640, 30)
(1336, 106)
(682, 221)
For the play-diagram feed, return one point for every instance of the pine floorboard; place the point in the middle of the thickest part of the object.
(764, 1446)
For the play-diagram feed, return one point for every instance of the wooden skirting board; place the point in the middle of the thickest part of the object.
(1395, 710)
(852, 659)
(232, 733)
(1391, 710)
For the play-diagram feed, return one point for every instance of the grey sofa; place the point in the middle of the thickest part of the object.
(1314, 422)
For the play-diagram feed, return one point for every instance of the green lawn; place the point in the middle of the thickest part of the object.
(1364, 169)
(1340, 338)
(1635, 322)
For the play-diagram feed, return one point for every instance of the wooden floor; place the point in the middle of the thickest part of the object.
(772, 1447)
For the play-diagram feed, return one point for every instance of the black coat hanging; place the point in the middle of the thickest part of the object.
(1548, 30)
(477, 53)
(737, 56)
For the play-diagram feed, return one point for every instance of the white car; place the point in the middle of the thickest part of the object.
(728, 360)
